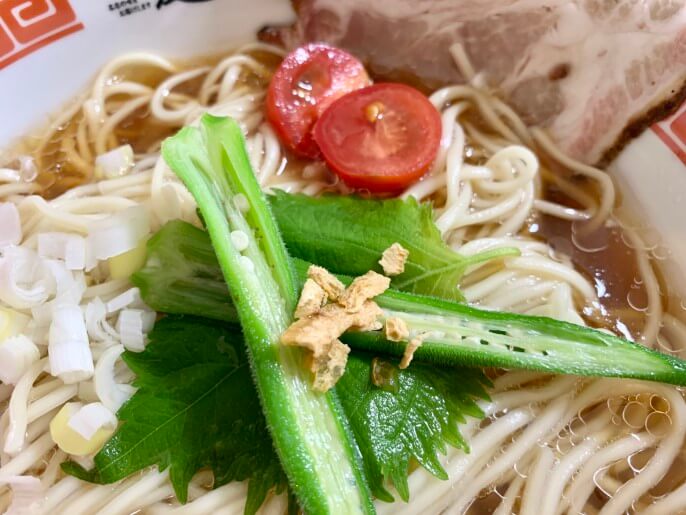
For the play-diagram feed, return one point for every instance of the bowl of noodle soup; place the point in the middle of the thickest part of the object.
(548, 444)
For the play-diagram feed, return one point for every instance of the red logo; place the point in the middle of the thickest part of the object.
(27, 25)
(672, 132)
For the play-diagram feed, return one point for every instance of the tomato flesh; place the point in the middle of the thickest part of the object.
(381, 138)
(308, 80)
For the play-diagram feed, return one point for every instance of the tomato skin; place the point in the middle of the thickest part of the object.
(308, 80)
(381, 138)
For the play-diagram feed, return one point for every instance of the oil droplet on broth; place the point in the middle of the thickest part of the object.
(658, 424)
(564, 445)
(520, 474)
(638, 460)
(659, 404)
(615, 405)
(590, 241)
(561, 245)
(650, 238)
(660, 252)
(664, 344)
(637, 298)
(634, 414)
(627, 240)
(598, 476)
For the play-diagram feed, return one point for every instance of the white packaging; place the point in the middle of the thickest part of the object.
(651, 174)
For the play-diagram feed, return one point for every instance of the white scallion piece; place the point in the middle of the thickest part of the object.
(70, 248)
(91, 418)
(12, 323)
(42, 315)
(125, 265)
(131, 298)
(85, 461)
(118, 233)
(37, 333)
(68, 286)
(99, 329)
(111, 393)
(10, 225)
(17, 354)
(21, 284)
(86, 391)
(72, 441)
(68, 347)
(27, 494)
(115, 163)
(133, 325)
(91, 260)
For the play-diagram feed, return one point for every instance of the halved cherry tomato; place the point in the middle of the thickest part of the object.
(382, 138)
(308, 80)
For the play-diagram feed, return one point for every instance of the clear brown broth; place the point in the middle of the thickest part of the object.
(144, 133)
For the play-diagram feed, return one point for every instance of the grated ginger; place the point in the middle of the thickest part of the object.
(393, 259)
(317, 331)
(367, 319)
(329, 283)
(330, 367)
(311, 300)
(363, 288)
(320, 323)
(410, 349)
(396, 329)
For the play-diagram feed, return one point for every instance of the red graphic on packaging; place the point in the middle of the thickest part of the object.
(27, 25)
(678, 127)
(672, 132)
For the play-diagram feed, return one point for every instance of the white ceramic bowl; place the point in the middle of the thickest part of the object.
(51, 49)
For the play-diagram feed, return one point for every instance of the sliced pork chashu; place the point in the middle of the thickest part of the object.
(593, 72)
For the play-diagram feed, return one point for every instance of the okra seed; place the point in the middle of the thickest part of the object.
(239, 240)
(247, 263)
